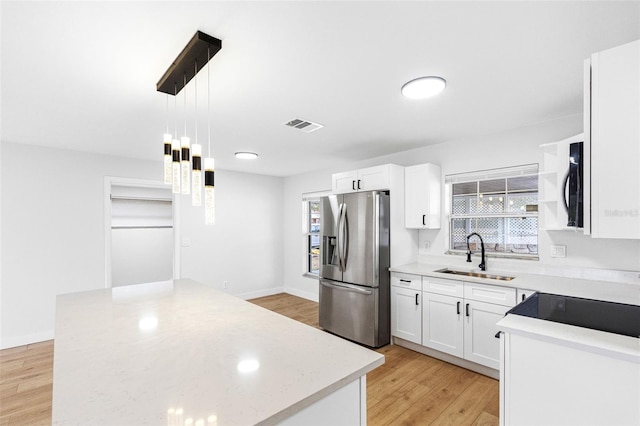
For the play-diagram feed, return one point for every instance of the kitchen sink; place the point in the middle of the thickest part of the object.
(475, 274)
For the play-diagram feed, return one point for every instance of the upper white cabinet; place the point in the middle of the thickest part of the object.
(612, 140)
(369, 179)
(422, 196)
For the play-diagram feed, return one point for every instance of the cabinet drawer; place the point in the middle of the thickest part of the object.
(489, 293)
(413, 282)
(440, 286)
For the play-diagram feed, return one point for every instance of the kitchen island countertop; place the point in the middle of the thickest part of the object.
(162, 353)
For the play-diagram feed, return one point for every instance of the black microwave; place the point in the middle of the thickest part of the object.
(573, 187)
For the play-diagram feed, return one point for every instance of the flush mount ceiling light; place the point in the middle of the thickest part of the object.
(423, 87)
(245, 155)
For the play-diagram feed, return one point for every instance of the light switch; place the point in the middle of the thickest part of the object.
(186, 242)
(558, 251)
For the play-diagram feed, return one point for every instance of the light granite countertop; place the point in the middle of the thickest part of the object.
(162, 353)
(590, 289)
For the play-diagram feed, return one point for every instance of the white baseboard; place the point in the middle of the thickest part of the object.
(12, 342)
(300, 293)
(260, 293)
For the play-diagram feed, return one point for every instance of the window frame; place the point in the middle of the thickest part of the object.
(488, 175)
(308, 233)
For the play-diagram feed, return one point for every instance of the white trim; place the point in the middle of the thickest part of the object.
(260, 293)
(28, 339)
(314, 297)
(306, 196)
(498, 173)
(110, 181)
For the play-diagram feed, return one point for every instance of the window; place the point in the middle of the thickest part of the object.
(500, 205)
(313, 237)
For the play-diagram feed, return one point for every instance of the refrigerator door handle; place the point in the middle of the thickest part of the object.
(339, 237)
(343, 237)
(345, 287)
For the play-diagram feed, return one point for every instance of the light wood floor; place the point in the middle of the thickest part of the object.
(409, 389)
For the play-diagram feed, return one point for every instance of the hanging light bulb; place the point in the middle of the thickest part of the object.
(209, 192)
(186, 165)
(175, 150)
(175, 172)
(167, 150)
(185, 144)
(196, 175)
(196, 152)
(167, 158)
(209, 164)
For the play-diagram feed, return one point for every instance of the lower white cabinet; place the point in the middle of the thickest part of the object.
(480, 344)
(442, 323)
(460, 319)
(406, 307)
(550, 381)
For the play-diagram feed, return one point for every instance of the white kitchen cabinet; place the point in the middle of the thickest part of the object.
(480, 344)
(422, 185)
(523, 294)
(548, 381)
(369, 179)
(612, 142)
(460, 318)
(406, 307)
(442, 323)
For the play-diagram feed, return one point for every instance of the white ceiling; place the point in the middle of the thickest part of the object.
(82, 75)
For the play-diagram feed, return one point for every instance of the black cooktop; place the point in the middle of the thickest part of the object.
(611, 317)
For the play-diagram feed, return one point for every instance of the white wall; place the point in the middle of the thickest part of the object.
(141, 255)
(514, 147)
(52, 237)
(245, 245)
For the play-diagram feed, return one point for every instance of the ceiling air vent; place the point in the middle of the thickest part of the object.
(305, 126)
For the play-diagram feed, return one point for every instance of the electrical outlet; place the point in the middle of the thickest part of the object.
(225, 285)
(427, 245)
(186, 242)
(558, 251)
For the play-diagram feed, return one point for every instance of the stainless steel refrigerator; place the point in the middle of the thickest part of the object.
(354, 272)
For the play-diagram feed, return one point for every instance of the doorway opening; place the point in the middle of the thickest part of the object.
(140, 232)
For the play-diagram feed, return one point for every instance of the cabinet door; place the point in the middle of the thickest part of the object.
(442, 323)
(373, 178)
(422, 196)
(480, 343)
(406, 314)
(615, 142)
(522, 294)
(344, 182)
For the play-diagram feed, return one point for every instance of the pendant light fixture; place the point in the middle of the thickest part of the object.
(196, 152)
(175, 150)
(167, 150)
(209, 163)
(185, 161)
(185, 143)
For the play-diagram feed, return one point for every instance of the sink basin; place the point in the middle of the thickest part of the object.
(475, 274)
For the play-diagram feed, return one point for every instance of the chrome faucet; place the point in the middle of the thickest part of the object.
(482, 266)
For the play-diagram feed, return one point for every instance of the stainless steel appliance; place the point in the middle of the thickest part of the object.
(573, 188)
(354, 272)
